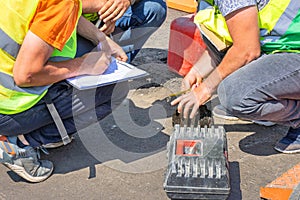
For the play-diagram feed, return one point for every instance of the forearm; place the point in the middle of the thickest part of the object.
(246, 45)
(51, 72)
(235, 58)
(92, 6)
(87, 30)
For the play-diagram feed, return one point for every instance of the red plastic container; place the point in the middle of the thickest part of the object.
(185, 45)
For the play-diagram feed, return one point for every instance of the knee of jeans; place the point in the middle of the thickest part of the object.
(157, 13)
(226, 95)
(229, 97)
(236, 102)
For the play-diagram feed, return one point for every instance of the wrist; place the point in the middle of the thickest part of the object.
(101, 37)
(199, 76)
(213, 81)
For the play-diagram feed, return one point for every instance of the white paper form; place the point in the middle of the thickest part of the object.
(123, 72)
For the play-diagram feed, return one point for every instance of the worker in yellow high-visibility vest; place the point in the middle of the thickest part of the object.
(258, 78)
(37, 53)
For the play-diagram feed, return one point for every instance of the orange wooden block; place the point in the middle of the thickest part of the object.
(189, 6)
(282, 187)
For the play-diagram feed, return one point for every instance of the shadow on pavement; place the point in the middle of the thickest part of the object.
(108, 141)
(235, 181)
(261, 142)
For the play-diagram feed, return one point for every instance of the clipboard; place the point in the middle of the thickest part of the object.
(116, 72)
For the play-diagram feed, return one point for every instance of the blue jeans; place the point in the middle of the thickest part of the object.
(265, 89)
(134, 28)
(138, 23)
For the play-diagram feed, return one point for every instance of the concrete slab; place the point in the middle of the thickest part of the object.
(124, 156)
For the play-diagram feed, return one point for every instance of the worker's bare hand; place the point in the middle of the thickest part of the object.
(108, 27)
(113, 10)
(189, 103)
(119, 54)
(192, 79)
(95, 63)
(114, 49)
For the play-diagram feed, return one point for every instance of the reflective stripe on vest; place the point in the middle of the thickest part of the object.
(8, 44)
(14, 99)
(7, 81)
(282, 34)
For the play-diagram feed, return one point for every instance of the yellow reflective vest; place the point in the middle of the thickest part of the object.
(279, 22)
(14, 24)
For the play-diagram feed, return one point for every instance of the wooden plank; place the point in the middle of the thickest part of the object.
(282, 187)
